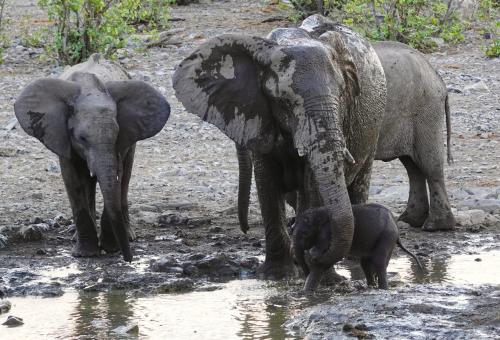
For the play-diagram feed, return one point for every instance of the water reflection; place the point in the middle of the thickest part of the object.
(246, 309)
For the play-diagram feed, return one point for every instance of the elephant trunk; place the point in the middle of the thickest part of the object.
(299, 251)
(107, 168)
(244, 186)
(326, 156)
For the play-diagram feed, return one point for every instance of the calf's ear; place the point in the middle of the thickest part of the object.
(43, 108)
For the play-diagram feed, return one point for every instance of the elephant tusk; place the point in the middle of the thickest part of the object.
(91, 174)
(348, 157)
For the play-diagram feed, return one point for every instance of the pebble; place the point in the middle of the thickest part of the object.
(13, 321)
(5, 306)
(128, 329)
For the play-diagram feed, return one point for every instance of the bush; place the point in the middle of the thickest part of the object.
(413, 22)
(493, 50)
(83, 27)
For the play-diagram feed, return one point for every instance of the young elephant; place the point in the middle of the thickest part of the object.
(91, 117)
(375, 235)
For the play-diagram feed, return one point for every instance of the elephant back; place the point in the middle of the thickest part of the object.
(104, 69)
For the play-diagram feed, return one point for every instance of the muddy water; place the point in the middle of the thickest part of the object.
(241, 309)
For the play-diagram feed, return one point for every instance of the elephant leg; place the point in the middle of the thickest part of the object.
(417, 208)
(359, 188)
(278, 262)
(107, 237)
(440, 215)
(81, 193)
(367, 267)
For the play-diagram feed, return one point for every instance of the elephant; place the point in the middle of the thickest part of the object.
(412, 130)
(375, 235)
(296, 102)
(91, 117)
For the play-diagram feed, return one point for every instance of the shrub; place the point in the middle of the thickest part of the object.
(83, 27)
(415, 22)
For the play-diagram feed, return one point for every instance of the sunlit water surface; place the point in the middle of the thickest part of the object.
(242, 309)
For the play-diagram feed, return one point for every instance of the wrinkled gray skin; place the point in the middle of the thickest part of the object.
(375, 235)
(296, 102)
(91, 117)
(412, 130)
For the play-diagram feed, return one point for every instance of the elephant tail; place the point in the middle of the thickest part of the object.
(448, 130)
(410, 253)
(244, 185)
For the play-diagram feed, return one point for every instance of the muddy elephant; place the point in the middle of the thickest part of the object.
(91, 117)
(375, 236)
(412, 130)
(300, 103)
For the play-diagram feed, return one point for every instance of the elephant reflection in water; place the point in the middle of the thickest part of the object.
(98, 313)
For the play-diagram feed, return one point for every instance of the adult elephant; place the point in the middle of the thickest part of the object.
(91, 117)
(412, 131)
(300, 103)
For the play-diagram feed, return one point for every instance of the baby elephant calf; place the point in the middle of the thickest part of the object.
(375, 235)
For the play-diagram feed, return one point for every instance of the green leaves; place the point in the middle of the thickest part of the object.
(83, 27)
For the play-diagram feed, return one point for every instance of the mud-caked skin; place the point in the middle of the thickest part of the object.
(300, 104)
(412, 130)
(91, 117)
(375, 236)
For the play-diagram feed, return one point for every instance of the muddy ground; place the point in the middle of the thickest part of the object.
(183, 190)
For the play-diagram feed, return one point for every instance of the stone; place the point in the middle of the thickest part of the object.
(479, 86)
(5, 306)
(13, 321)
(176, 286)
(33, 232)
(11, 124)
(491, 206)
(3, 241)
(128, 329)
(470, 217)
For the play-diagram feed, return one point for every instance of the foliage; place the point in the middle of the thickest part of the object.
(493, 50)
(83, 27)
(419, 23)
(414, 22)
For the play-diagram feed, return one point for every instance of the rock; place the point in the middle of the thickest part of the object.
(13, 321)
(469, 218)
(176, 286)
(8, 152)
(480, 86)
(166, 265)
(3, 241)
(33, 232)
(11, 124)
(53, 168)
(491, 206)
(5, 306)
(130, 329)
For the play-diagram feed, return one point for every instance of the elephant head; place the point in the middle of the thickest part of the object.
(255, 90)
(311, 233)
(97, 122)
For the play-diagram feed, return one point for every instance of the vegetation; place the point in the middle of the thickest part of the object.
(419, 23)
(83, 27)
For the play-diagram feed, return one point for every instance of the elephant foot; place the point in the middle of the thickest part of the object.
(277, 270)
(86, 248)
(413, 219)
(446, 223)
(331, 277)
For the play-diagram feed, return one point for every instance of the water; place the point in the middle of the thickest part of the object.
(241, 309)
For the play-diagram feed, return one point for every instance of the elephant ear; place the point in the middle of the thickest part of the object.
(42, 110)
(344, 59)
(221, 82)
(142, 111)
